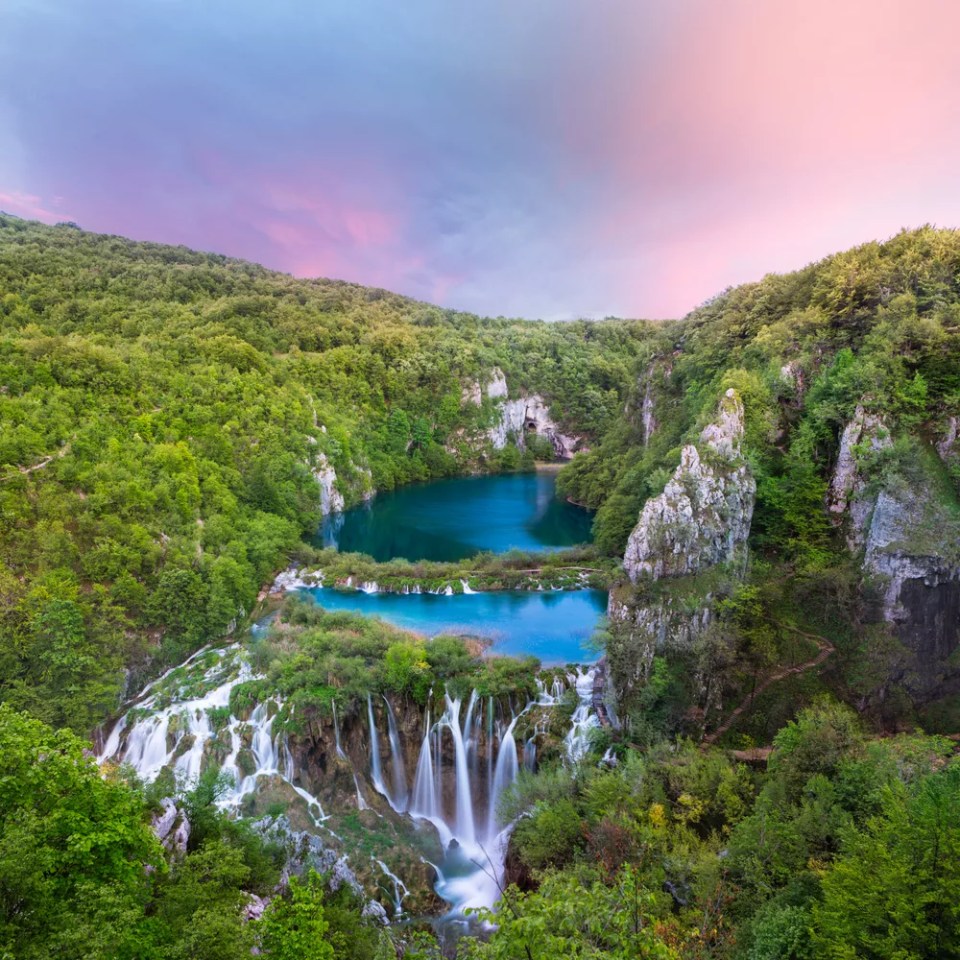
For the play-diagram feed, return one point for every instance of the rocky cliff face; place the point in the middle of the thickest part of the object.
(848, 501)
(705, 510)
(530, 415)
(910, 543)
(331, 499)
(699, 520)
(519, 417)
(947, 444)
(913, 554)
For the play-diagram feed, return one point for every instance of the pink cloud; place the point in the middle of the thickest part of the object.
(30, 206)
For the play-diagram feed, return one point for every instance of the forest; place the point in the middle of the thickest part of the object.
(162, 417)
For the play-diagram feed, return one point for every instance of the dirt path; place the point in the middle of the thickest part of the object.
(46, 461)
(825, 648)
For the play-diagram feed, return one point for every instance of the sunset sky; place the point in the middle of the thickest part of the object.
(542, 158)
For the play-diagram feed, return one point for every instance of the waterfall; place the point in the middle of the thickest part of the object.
(504, 775)
(336, 733)
(530, 754)
(361, 803)
(399, 888)
(454, 786)
(577, 741)
(466, 828)
(397, 765)
(288, 769)
(146, 748)
(376, 774)
(426, 788)
(489, 740)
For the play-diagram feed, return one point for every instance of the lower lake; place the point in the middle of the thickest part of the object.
(554, 626)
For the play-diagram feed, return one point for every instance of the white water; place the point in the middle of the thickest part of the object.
(584, 720)
(397, 765)
(471, 871)
(376, 773)
(399, 888)
(159, 738)
(426, 801)
(504, 774)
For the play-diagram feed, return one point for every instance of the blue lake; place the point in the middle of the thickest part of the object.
(553, 626)
(455, 519)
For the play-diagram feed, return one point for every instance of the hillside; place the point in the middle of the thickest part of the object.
(845, 518)
(174, 422)
(775, 479)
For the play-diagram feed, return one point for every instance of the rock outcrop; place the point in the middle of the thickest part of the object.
(705, 510)
(847, 498)
(515, 419)
(649, 628)
(331, 499)
(913, 554)
(473, 393)
(524, 415)
(701, 519)
(910, 543)
(171, 826)
(947, 444)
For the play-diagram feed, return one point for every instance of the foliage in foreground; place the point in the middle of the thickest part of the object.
(845, 847)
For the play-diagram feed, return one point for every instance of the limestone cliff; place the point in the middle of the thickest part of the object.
(530, 414)
(909, 535)
(515, 418)
(331, 499)
(848, 501)
(699, 521)
(913, 555)
(704, 511)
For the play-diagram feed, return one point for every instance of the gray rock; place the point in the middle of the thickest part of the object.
(171, 827)
(255, 907)
(847, 497)
(530, 414)
(331, 499)
(163, 821)
(913, 553)
(705, 509)
(946, 446)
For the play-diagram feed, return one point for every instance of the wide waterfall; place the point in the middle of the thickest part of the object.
(468, 757)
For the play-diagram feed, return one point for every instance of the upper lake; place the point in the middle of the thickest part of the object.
(454, 519)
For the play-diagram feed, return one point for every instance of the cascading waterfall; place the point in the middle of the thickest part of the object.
(577, 741)
(454, 786)
(399, 888)
(336, 733)
(376, 773)
(181, 736)
(397, 765)
(530, 755)
(465, 825)
(426, 800)
(504, 774)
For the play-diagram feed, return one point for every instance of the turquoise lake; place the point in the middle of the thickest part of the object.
(455, 519)
(554, 625)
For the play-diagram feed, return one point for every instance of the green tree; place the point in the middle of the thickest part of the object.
(575, 916)
(894, 891)
(294, 926)
(73, 847)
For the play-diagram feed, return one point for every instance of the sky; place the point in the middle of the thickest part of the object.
(538, 158)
